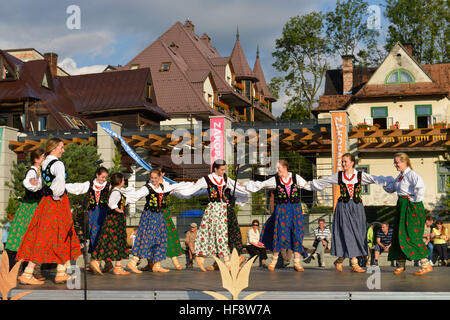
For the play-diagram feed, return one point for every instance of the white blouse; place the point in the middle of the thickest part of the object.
(254, 186)
(252, 236)
(59, 171)
(83, 187)
(407, 183)
(133, 196)
(31, 174)
(114, 198)
(194, 189)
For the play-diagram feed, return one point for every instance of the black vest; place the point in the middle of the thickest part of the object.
(345, 195)
(281, 195)
(103, 199)
(31, 196)
(152, 200)
(47, 179)
(120, 203)
(213, 191)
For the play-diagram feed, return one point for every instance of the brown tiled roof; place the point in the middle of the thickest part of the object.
(262, 85)
(241, 68)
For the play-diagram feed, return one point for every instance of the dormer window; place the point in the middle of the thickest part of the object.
(399, 76)
(165, 66)
(45, 82)
(134, 67)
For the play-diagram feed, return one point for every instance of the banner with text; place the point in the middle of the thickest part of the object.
(217, 132)
(339, 143)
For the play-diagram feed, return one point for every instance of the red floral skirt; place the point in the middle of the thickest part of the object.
(50, 237)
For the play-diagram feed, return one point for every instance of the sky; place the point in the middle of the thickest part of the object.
(113, 32)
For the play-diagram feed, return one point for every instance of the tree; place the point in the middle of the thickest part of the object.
(301, 54)
(117, 161)
(347, 31)
(423, 23)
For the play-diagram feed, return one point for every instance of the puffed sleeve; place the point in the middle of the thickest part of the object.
(240, 193)
(188, 189)
(31, 174)
(134, 196)
(389, 185)
(300, 181)
(370, 179)
(59, 183)
(78, 188)
(114, 199)
(322, 183)
(255, 186)
(419, 187)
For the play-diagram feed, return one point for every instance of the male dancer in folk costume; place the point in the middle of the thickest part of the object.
(50, 237)
(112, 241)
(212, 235)
(409, 223)
(25, 212)
(151, 238)
(284, 229)
(349, 222)
(98, 190)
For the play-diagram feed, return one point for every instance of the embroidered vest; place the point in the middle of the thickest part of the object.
(345, 195)
(30, 195)
(216, 193)
(155, 201)
(281, 194)
(103, 198)
(47, 179)
(120, 204)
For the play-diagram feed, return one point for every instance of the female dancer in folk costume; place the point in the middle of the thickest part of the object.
(284, 229)
(112, 240)
(151, 238)
(50, 237)
(349, 234)
(25, 212)
(212, 236)
(409, 223)
(98, 191)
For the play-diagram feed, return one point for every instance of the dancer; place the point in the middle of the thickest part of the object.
(284, 229)
(50, 237)
(349, 232)
(98, 190)
(112, 240)
(409, 223)
(212, 236)
(151, 239)
(25, 212)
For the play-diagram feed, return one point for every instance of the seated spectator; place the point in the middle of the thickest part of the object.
(133, 236)
(254, 246)
(189, 244)
(322, 237)
(383, 241)
(427, 239)
(439, 235)
(370, 244)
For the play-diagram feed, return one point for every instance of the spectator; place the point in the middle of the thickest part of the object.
(427, 239)
(5, 232)
(383, 241)
(397, 125)
(439, 235)
(189, 244)
(371, 244)
(254, 246)
(322, 237)
(133, 236)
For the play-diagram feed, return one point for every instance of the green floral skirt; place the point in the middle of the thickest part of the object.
(173, 241)
(20, 224)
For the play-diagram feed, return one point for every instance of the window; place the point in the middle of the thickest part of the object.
(149, 92)
(19, 121)
(423, 115)
(399, 76)
(248, 85)
(443, 175)
(165, 66)
(210, 100)
(45, 82)
(134, 67)
(365, 189)
(3, 119)
(42, 123)
(379, 116)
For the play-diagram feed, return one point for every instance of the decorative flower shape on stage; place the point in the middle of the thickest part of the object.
(234, 280)
(8, 279)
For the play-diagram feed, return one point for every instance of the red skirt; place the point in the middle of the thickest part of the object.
(50, 237)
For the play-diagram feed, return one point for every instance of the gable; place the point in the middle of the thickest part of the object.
(399, 59)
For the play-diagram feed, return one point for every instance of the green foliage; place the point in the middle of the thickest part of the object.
(16, 184)
(258, 203)
(424, 24)
(117, 161)
(177, 206)
(13, 205)
(298, 164)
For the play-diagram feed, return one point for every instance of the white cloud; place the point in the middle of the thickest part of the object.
(70, 66)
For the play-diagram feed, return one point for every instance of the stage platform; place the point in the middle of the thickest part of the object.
(283, 284)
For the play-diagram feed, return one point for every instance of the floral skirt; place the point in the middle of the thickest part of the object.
(284, 229)
(96, 220)
(20, 224)
(212, 236)
(173, 241)
(409, 224)
(50, 237)
(234, 232)
(112, 240)
(151, 238)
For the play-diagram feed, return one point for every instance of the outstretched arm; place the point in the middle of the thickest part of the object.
(255, 186)
(381, 180)
(134, 196)
(322, 183)
(78, 188)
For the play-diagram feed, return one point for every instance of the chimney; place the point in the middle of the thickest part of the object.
(189, 26)
(347, 73)
(409, 47)
(52, 59)
(205, 38)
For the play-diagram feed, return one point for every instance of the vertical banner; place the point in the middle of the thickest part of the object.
(217, 134)
(339, 143)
